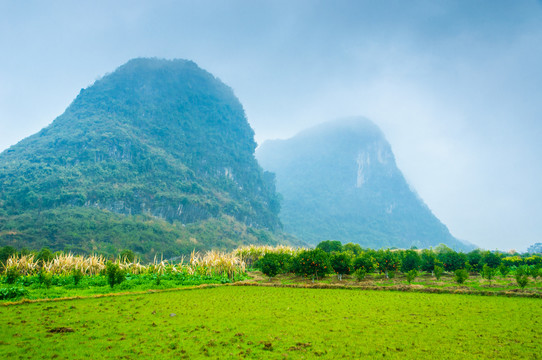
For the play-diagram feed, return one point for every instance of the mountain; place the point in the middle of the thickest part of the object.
(157, 157)
(339, 181)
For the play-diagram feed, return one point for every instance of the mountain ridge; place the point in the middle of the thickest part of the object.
(158, 139)
(339, 181)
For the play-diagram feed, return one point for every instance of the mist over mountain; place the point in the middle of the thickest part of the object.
(339, 181)
(157, 157)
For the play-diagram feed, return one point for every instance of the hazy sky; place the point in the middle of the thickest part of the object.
(456, 86)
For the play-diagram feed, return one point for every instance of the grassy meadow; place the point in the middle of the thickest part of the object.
(230, 322)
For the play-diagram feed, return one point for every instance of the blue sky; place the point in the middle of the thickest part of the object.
(456, 86)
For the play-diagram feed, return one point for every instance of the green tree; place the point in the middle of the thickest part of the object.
(491, 259)
(411, 261)
(312, 262)
(127, 255)
(460, 275)
(353, 248)
(45, 255)
(364, 261)
(411, 275)
(504, 270)
(330, 246)
(438, 271)
(387, 261)
(341, 264)
(428, 258)
(270, 264)
(114, 274)
(488, 272)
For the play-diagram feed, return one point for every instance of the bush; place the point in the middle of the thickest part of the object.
(360, 274)
(411, 261)
(45, 255)
(270, 264)
(127, 255)
(312, 262)
(461, 275)
(504, 270)
(364, 261)
(12, 274)
(45, 278)
(12, 292)
(522, 280)
(77, 275)
(114, 274)
(534, 272)
(330, 246)
(411, 275)
(438, 271)
(488, 272)
(341, 264)
(387, 262)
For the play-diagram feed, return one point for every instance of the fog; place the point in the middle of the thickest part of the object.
(454, 85)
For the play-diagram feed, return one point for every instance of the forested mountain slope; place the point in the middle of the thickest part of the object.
(157, 156)
(339, 181)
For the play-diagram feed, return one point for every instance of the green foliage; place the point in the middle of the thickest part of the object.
(504, 270)
(387, 261)
(45, 255)
(5, 253)
(534, 272)
(475, 260)
(360, 274)
(12, 293)
(330, 246)
(491, 259)
(12, 274)
(355, 249)
(522, 279)
(452, 260)
(314, 263)
(411, 260)
(438, 271)
(411, 275)
(114, 274)
(127, 255)
(157, 157)
(77, 275)
(364, 261)
(428, 258)
(460, 276)
(341, 263)
(488, 272)
(270, 264)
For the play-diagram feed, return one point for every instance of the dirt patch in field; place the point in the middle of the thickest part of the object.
(61, 330)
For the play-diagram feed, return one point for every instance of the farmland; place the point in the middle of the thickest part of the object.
(263, 322)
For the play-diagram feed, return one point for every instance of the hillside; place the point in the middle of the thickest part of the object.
(157, 156)
(339, 181)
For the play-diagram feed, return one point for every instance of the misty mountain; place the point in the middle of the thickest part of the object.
(157, 157)
(339, 181)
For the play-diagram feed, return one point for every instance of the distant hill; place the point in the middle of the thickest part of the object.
(339, 181)
(157, 157)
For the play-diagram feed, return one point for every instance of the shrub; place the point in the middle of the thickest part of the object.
(364, 261)
(330, 246)
(77, 275)
(491, 259)
(360, 274)
(341, 264)
(522, 280)
(428, 260)
(411, 261)
(312, 262)
(45, 255)
(504, 270)
(438, 271)
(12, 274)
(387, 261)
(114, 274)
(411, 275)
(270, 264)
(12, 292)
(127, 256)
(488, 272)
(534, 272)
(461, 275)
(45, 278)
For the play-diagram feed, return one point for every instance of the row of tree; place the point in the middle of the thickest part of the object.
(333, 257)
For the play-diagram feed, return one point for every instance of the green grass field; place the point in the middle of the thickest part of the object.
(230, 322)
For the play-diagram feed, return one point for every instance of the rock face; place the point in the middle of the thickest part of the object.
(339, 181)
(160, 139)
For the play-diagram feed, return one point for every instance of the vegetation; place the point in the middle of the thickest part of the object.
(275, 323)
(155, 158)
(339, 181)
